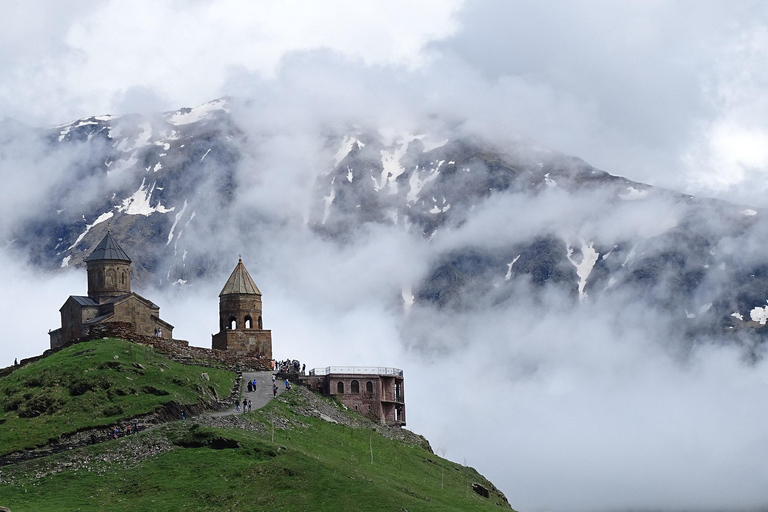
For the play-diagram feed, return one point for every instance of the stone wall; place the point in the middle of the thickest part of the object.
(177, 350)
(144, 318)
(244, 342)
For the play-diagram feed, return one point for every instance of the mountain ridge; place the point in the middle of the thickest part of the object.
(163, 184)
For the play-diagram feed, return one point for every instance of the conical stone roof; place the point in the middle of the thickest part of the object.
(108, 249)
(240, 282)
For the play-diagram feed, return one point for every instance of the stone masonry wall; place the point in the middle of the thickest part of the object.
(177, 350)
(245, 342)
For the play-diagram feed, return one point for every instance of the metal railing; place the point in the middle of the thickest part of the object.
(357, 370)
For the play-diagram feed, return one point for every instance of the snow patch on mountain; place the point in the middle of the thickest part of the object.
(508, 276)
(748, 212)
(759, 314)
(176, 221)
(346, 146)
(390, 167)
(584, 267)
(193, 115)
(138, 203)
(328, 200)
(416, 182)
(101, 218)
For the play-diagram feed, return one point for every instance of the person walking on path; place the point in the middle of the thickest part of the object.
(274, 389)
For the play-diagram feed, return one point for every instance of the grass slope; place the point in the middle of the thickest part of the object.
(96, 384)
(280, 458)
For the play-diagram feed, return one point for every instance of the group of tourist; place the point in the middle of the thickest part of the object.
(247, 405)
(290, 365)
(115, 432)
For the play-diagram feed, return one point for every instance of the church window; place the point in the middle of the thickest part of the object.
(355, 386)
(122, 278)
(232, 322)
(340, 388)
(248, 322)
(111, 278)
(369, 387)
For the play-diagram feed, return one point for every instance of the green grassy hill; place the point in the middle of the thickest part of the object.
(300, 452)
(96, 384)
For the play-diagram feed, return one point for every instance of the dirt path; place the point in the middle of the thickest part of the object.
(258, 398)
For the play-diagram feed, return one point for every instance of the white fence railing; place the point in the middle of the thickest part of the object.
(358, 370)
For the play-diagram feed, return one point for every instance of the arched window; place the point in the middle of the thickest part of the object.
(259, 323)
(355, 386)
(111, 278)
(122, 278)
(248, 322)
(232, 323)
(340, 388)
(369, 387)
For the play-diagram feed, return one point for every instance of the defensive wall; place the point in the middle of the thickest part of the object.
(174, 349)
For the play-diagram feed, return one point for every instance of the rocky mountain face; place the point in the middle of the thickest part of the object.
(503, 224)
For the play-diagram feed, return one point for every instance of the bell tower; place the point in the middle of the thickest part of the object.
(241, 327)
(109, 270)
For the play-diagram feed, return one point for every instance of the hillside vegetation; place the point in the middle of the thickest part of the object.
(97, 384)
(299, 452)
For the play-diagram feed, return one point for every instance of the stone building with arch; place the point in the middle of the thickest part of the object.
(373, 391)
(109, 300)
(241, 328)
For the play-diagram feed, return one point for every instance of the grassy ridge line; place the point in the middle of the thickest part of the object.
(303, 463)
(96, 384)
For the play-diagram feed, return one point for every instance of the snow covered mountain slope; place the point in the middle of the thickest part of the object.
(501, 224)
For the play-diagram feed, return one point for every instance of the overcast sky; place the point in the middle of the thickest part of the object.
(668, 93)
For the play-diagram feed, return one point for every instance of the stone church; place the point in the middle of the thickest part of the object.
(241, 330)
(109, 299)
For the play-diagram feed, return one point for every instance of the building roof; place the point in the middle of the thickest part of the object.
(240, 282)
(84, 301)
(108, 249)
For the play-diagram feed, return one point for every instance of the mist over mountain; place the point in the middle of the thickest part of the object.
(489, 226)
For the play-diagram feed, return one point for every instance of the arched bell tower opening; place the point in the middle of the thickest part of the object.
(239, 305)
